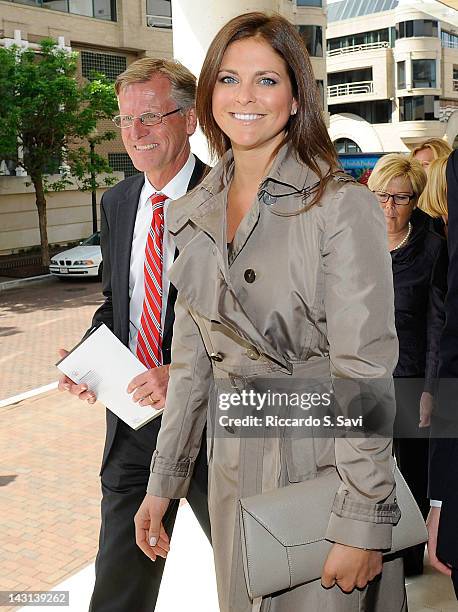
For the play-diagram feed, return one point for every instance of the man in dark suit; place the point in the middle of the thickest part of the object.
(443, 476)
(157, 117)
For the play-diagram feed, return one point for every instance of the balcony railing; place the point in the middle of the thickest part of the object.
(159, 21)
(455, 84)
(351, 89)
(356, 48)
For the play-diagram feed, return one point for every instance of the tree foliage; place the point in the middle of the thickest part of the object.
(49, 115)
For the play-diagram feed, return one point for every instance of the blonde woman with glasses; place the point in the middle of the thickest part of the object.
(419, 263)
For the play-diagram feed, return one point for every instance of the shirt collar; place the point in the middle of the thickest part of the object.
(176, 188)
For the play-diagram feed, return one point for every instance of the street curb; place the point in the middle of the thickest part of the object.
(20, 282)
(15, 399)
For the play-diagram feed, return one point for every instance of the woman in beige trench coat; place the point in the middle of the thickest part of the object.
(283, 274)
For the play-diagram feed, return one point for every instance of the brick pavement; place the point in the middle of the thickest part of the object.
(50, 450)
(36, 320)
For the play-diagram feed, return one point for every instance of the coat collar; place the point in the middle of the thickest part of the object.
(286, 177)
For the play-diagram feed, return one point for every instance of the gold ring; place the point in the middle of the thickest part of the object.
(153, 401)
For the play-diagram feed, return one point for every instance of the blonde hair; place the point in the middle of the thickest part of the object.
(438, 147)
(182, 81)
(434, 198)
(393, 165)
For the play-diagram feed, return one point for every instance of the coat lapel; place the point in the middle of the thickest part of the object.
(199, 171)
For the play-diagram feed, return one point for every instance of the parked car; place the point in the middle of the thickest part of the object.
(82, 260)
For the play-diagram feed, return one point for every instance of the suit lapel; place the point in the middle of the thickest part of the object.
(125, 222)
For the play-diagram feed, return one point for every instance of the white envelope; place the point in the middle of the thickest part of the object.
(106, 366)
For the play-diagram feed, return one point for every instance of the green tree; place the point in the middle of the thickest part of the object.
(49, 115)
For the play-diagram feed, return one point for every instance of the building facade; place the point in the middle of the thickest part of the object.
(392, 74)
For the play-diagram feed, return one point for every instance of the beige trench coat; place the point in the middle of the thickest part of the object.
(305, 296)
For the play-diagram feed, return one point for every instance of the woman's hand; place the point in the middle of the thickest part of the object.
(150, 534)
(350, 567)
(426, 409)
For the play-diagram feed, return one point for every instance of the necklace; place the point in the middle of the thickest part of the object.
(405, 239)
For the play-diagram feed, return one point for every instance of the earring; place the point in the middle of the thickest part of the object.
(294, 111)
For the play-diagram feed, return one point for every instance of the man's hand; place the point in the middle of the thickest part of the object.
(150, 388)
(432, 523)
(426, 409)
(150, 534)
(350, 567)
(67, 384)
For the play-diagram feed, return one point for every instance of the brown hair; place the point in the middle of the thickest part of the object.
(306, 130)
(438, 147)
(182, 81)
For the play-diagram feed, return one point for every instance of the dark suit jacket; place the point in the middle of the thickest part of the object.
(118, 212)
(443, 481)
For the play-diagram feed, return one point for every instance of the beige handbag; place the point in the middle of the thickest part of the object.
(283, 532)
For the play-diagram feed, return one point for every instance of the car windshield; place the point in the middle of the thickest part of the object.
(93, 240)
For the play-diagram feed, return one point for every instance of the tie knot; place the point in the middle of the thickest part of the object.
(157, 200)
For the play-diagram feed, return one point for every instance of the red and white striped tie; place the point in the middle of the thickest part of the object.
(149, 338)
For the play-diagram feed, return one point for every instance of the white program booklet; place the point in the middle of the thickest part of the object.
(106, 366)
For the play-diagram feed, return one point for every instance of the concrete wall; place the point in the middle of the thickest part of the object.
(69, 214)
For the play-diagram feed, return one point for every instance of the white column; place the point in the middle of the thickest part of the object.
(194, 25)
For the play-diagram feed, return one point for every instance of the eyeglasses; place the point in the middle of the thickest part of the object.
(127, 121)
(399, 199)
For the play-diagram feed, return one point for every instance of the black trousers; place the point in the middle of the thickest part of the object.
(126, 580)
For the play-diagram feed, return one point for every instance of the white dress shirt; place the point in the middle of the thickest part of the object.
(174, 189)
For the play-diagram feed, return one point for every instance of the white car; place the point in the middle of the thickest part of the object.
(83, 260)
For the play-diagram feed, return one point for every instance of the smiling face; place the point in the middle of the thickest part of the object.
(397, 217)
(160, 150)
(252, 98)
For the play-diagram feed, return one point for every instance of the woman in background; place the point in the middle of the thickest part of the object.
(419, 263)
(428, 151)
(433, 200)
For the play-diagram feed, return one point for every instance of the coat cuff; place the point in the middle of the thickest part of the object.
(360, 534)
(169, 478)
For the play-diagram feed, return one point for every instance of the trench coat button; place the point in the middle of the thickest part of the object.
(269, 199)
(216, 357)
(253, 354)
(249, 275)
(229, 429)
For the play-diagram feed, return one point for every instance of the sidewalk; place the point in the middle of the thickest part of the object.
(50, 449)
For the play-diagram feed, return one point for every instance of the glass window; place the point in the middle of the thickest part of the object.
(350, 76)
(81, 7)
(107, 64)
(449, 40)
(346, 145)
(374, 111)
(417, 108)
(424, 73)
(121, 162)
(309, 2)
(313, 37)
(401, 75)
(159, 13)
(56, 5)
(455, 73)
(417, 27)
(105, 9)
(362, 38)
